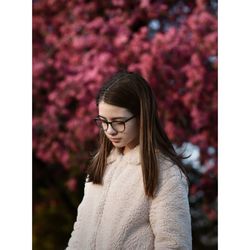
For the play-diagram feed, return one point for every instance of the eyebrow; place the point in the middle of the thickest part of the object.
(113, 118)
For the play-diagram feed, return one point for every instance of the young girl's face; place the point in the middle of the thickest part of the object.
(128, 138)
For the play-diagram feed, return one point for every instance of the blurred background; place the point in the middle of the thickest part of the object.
(77, 45)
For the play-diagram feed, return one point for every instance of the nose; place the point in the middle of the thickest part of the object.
(110, 130)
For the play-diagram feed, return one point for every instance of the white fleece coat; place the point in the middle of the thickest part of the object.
(118, 214)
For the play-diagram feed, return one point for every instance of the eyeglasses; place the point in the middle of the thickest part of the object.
(118, 126)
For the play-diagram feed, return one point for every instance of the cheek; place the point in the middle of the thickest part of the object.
(132, 132)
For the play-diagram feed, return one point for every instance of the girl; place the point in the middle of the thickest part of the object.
(136, 193)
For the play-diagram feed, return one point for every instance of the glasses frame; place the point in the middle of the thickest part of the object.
(110, 123)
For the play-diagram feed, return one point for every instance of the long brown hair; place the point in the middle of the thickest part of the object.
(129, 90)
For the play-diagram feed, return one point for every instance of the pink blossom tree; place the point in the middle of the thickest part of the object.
(79, 44)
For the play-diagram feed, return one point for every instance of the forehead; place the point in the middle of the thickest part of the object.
(110, 111)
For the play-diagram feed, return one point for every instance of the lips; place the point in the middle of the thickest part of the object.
(115, 139)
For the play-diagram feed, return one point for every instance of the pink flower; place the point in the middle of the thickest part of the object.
(78, 42)
(38, 68)
(119, 3)
(144, 3)
(120, 40)
(71, 184)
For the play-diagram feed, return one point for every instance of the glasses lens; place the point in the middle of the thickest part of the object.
(118, 126)
(101, 124)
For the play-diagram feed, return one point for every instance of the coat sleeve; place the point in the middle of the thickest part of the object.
(170, 215)
(74, 241)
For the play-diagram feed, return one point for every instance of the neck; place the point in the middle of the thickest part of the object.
(127, 148)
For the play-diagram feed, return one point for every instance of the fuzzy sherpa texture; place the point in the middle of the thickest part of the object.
(118, 214)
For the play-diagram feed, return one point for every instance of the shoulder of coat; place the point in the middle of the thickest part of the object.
(167, 168)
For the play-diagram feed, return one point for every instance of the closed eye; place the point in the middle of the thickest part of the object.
(118, 122)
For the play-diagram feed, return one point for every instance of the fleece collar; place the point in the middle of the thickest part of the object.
(131, 157)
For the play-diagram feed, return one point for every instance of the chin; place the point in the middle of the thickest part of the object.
(118, 144)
